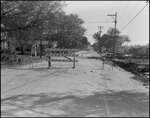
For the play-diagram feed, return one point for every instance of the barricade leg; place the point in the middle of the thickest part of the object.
(49, 61)
(74, 60)
(31, 62)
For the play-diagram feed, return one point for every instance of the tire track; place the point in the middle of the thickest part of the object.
(51, 75)
(109, 114)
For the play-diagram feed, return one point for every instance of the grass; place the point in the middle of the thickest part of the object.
(144, 61)
(138, 61)
(25, 61)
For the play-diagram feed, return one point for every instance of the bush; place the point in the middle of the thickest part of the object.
(18, 49)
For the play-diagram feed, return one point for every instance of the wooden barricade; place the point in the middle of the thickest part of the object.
(56, 52)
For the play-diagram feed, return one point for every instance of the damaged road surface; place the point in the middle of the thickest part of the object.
(84, 91)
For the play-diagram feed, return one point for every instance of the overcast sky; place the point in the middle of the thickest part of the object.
(94, 13)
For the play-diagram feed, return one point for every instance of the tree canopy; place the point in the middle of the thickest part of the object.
(41, 20)
(21, 15)
(107, 39)
(138, 49)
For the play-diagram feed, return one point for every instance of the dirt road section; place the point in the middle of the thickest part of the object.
(62, 91)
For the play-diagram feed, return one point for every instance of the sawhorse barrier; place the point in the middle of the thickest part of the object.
(56, 52)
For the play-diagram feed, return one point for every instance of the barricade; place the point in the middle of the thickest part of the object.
(56, 52)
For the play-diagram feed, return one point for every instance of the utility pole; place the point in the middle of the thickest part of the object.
(115, 27)
(100, 27)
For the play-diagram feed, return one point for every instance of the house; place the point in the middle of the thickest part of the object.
(34, 46)
(4, 45)
(37, 44)
(7, 43)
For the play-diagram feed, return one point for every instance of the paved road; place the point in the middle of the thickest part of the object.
(62, 91)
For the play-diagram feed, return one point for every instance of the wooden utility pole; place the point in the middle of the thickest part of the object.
(115, 28)
(100, 27)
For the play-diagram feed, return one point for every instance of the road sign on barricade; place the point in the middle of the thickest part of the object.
(56, 52)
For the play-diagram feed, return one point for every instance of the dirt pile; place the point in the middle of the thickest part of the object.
(141, 73)
(128, 66)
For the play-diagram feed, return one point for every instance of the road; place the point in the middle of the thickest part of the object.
(86, 91)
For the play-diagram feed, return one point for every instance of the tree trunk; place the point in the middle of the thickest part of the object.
(106, 49)
(21, 49)
(8, 46)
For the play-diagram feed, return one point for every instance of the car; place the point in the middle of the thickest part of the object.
(119, 56)
(108, 55)
(127, 55)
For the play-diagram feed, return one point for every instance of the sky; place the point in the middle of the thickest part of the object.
(94, 13)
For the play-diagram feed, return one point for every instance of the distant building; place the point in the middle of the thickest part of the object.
(37, 44)
(34, 46)
(4, 44)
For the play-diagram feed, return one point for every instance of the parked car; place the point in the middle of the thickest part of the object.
(108, 55)
(127, 55)
(119, 56)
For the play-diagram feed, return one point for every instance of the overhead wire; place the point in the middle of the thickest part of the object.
(124, 10)
(118, 6)
(134, 17)
(130, 13)
(100, 22)
(114, 7)
(108, 11)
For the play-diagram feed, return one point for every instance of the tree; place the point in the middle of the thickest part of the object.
(107, 40)
(112, 31)
(95, 47)
(21, 15)
(41, 20)
(85, 43)
(100, 40)
(25, 20)
(69, 31)
(120, 39)
(139, 50)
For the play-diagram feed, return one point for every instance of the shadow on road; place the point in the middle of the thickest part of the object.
(54, 104)
(44, 68)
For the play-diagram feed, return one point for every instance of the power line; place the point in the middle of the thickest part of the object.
(130, 13)
(100, 22)
(118, 6)
(124, 10)
(134, 17)
(115, 7)
(108, 11)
